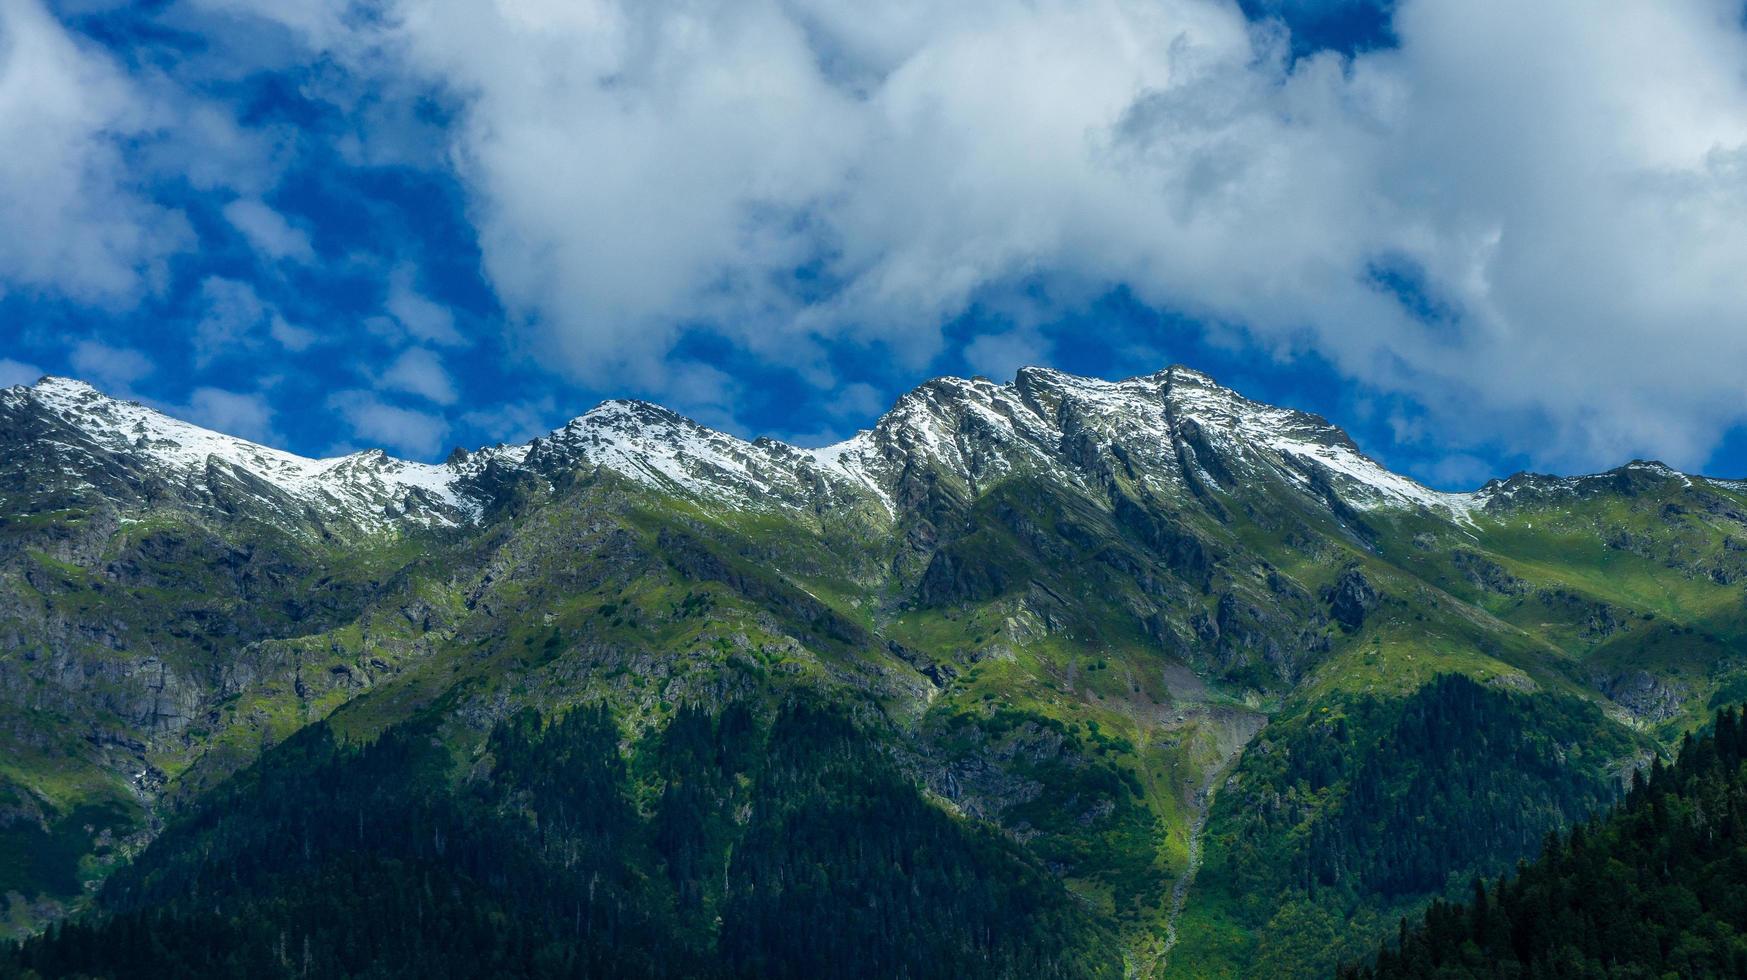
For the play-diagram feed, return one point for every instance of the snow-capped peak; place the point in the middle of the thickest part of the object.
(1162, 429)
(1314, 449)
(981, 431)
(369, 488)
(665, 449)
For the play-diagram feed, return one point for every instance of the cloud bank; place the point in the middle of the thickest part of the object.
(1530, 220)
(1536, 209)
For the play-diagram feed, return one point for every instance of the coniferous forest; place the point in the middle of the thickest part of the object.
(1655, 888)
(1366, 805)
(778, 847)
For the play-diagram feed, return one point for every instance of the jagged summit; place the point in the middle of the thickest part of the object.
(1634, 477)
(115, 445)
(1170, 427)
(1174, 432)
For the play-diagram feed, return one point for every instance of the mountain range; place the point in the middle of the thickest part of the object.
(1235, 695)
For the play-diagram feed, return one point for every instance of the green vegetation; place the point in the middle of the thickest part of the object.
(1656, 888)
(1115, 693)
(1342, 816)
(780, 847)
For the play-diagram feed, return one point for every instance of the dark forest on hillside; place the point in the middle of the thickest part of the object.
(775, 848)
(1655, 888)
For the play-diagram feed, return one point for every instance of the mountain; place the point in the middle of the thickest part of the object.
(976, 432)
(1243, 694)
(1654, 889)
(70, 444)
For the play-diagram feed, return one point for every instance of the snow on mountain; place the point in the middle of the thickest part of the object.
(982, 431)
(1311, 445)
(664, 449)
(972, 430)
(368, 487)
(1635, 476)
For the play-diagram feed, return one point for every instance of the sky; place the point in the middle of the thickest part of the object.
(1483, 236)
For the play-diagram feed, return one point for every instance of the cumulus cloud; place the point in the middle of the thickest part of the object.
(247, 415)
(234, 319)
(268, 231)
(232, 314)
(419, 371)
(1002, 355)
(115, 369)
(1529, 208)
(76, 220)
(513, 422)
(290, 336)
(404, 430)
(858, 400)
(417, 314)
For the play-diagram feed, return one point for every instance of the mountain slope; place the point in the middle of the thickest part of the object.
(1654, 888)
(84, 445)
(538, 862)
(1064, 607)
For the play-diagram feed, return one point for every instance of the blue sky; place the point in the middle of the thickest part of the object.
(1481, 238)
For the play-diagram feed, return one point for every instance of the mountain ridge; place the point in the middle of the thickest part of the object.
(652, 443)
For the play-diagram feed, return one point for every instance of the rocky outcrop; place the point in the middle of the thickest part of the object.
(957, 575)
(1648, 698)
(1484, 573)
(1595, 620)
(1351, 598)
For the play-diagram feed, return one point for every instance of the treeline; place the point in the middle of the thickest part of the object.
(1656, 888)
(783, 846)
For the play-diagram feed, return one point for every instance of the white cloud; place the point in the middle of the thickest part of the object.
(514, 422)
(18, 373)
(419, 316)
(236, 413)
(75, 220)
(114, 369)
(89, 141)
(203, 143)
(710, 395)
(1003, 354)
(418, 371)
(235, 319)
(1572, 186)
(268, 231)
(1459, 470)
(290, 336)
(857, 400)
(232, 315)
(414, 433)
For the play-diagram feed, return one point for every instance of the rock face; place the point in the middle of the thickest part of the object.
(989, 569)
(67, 442)
(1648, 697)
(1351, 598)
(1487, 574)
